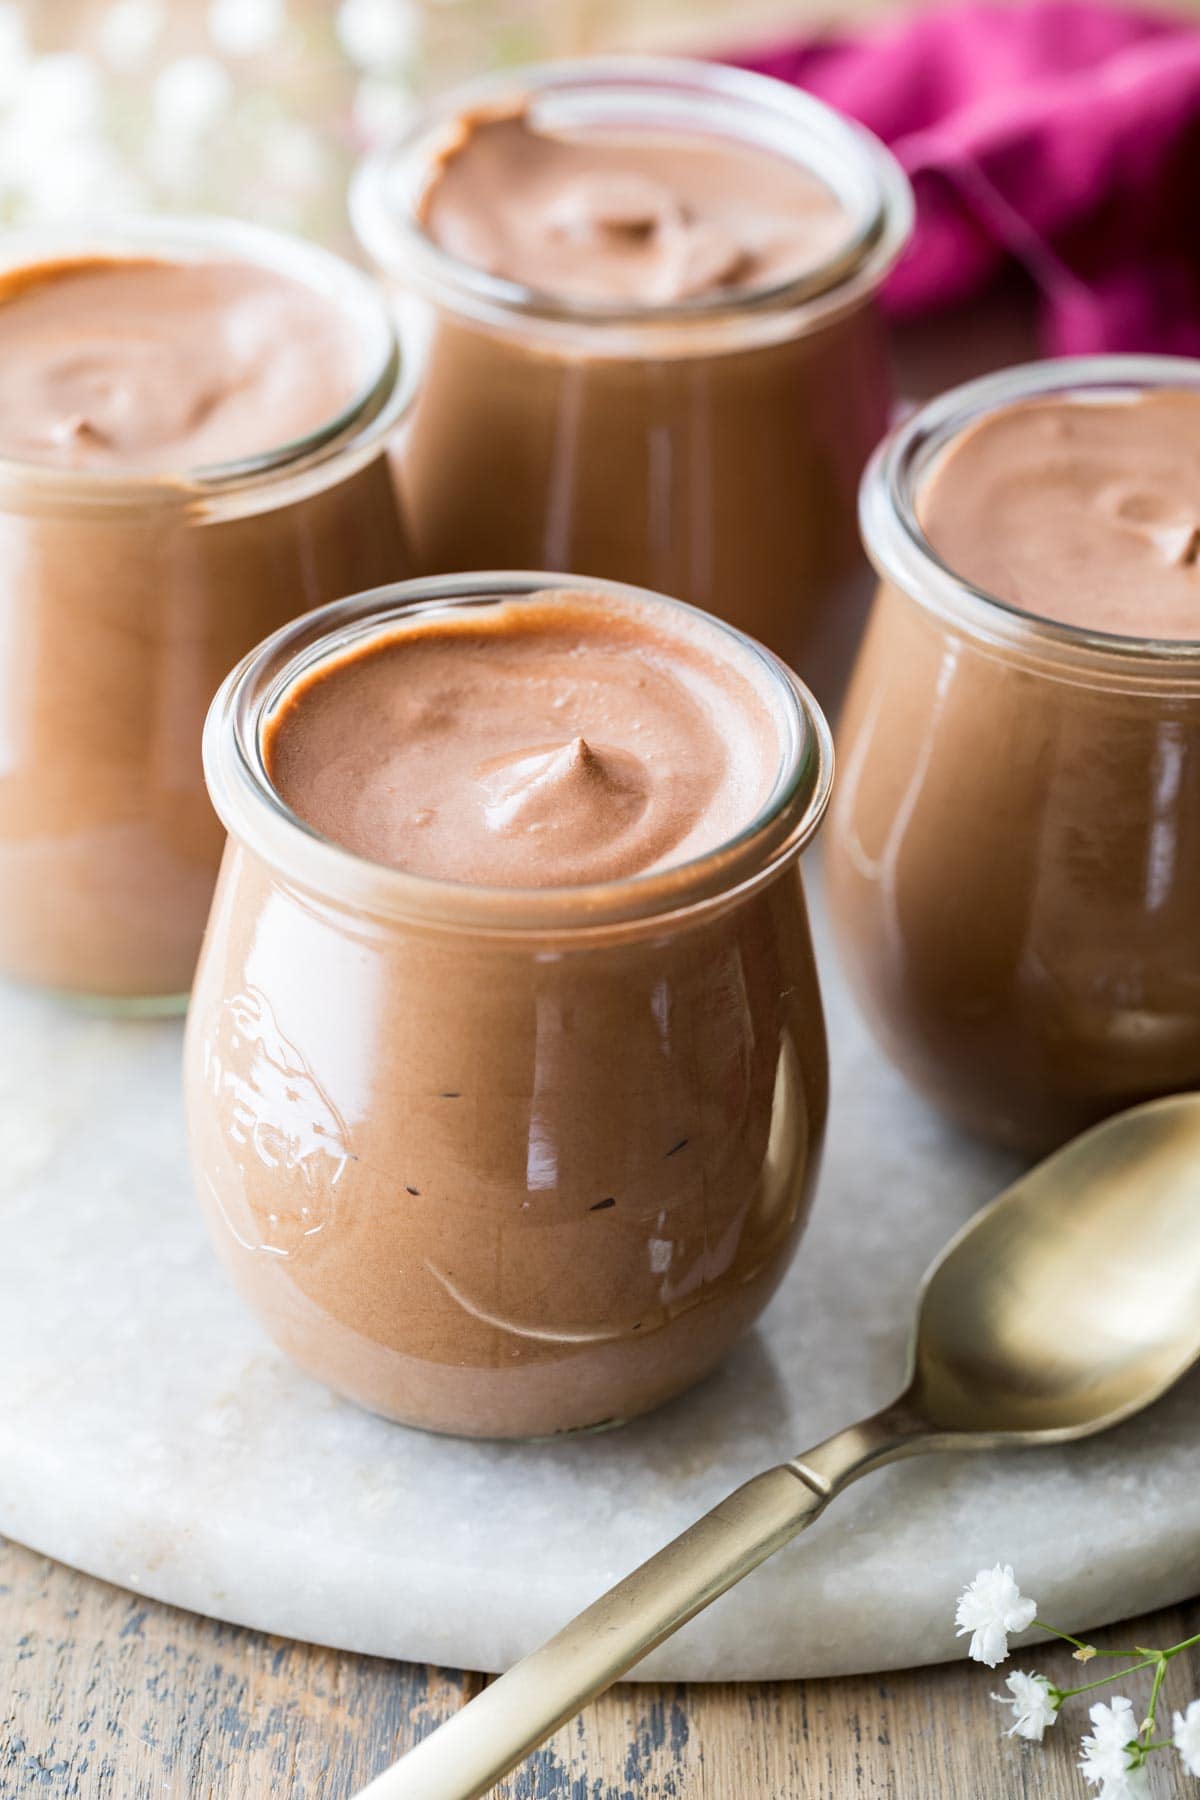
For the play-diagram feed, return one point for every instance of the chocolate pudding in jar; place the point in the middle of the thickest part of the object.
(192, 428)
(506, 1069)
(648, 291)
(1014, 864)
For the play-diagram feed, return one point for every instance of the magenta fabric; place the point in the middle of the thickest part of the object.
(1059, 135)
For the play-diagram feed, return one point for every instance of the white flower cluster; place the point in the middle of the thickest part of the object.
(1107, 1760)
(1186, 1739)
(992, 1608)
(219, 110)
(383, 39)
(237, 106)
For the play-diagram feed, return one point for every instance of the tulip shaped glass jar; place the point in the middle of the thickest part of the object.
(504, 1161)
(130, 591)
(706, 443)
(1014, 856)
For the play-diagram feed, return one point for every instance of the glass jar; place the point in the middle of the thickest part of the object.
(491, 1161)
(710, 448)
(1014, 855)
(126, 599)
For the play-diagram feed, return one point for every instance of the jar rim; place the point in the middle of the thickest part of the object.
(387, 186)
(904, 556)
(254, 811)
(382, 395)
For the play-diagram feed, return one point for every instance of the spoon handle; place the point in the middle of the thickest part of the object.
(512, 1716)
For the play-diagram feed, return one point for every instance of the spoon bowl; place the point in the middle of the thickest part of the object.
(1073, 1300)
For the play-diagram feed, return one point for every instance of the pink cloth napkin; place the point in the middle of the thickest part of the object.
(1060, 135)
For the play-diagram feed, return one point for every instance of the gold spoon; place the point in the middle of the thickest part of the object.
(1065, 1306)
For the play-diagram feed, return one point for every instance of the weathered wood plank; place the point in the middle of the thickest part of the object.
(106, 1696)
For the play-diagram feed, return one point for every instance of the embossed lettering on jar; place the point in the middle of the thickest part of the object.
(1014, 860)
(491, 1158)
(653, 350)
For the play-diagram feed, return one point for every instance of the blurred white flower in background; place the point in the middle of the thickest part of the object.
(191, 95)
(295, 158)
(379, 35)
(381, 109)
(53, 158)
(85, 177)
(129, 31)
(251, 107)
(59, 97)
(14, 50)
(246, 27)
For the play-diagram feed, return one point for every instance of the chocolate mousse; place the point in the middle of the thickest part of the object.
(166, 367)
(1082, 510)
(640, 219)
(506, 1122)
(186, 462)
(457, 750)
(654, 353)
(1015, 857)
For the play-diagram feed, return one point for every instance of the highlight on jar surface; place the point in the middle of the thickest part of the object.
(653, 351)
(506, 1067)
(192, 451)
(1014, 855)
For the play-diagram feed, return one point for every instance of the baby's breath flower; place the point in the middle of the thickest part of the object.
(1109, 1753)
(129, 31)
(381, 109)
(60, 97)
(1084, 1654)
(1186, 1727)
(379, 35)
(1034, 1702)
(14, 48)
(191, 95)
(246, 27)
(990, 1608)
(294, 157)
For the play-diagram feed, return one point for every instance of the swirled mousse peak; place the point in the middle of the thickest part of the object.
(156, 367)
(1084, 509)
(562, 739)
(636, 217)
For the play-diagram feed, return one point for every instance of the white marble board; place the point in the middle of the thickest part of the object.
(149, 1433)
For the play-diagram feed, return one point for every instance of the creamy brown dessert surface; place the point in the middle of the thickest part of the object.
(130, 609)
(1014, 859)
(527, 746)
(506, 1182)
(1082, 510)
(645, 217)
(165, 367)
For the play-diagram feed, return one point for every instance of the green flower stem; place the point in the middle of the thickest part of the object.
(1159, 1672)
(1107, 1680)
(1068, 1639)
(1137, 1650)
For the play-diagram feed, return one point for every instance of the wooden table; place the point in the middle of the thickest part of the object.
(106, 1696)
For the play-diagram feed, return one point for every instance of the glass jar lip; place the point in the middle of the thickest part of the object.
(382, 396)
(255, 813)
(386, 188)
(903, 555)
